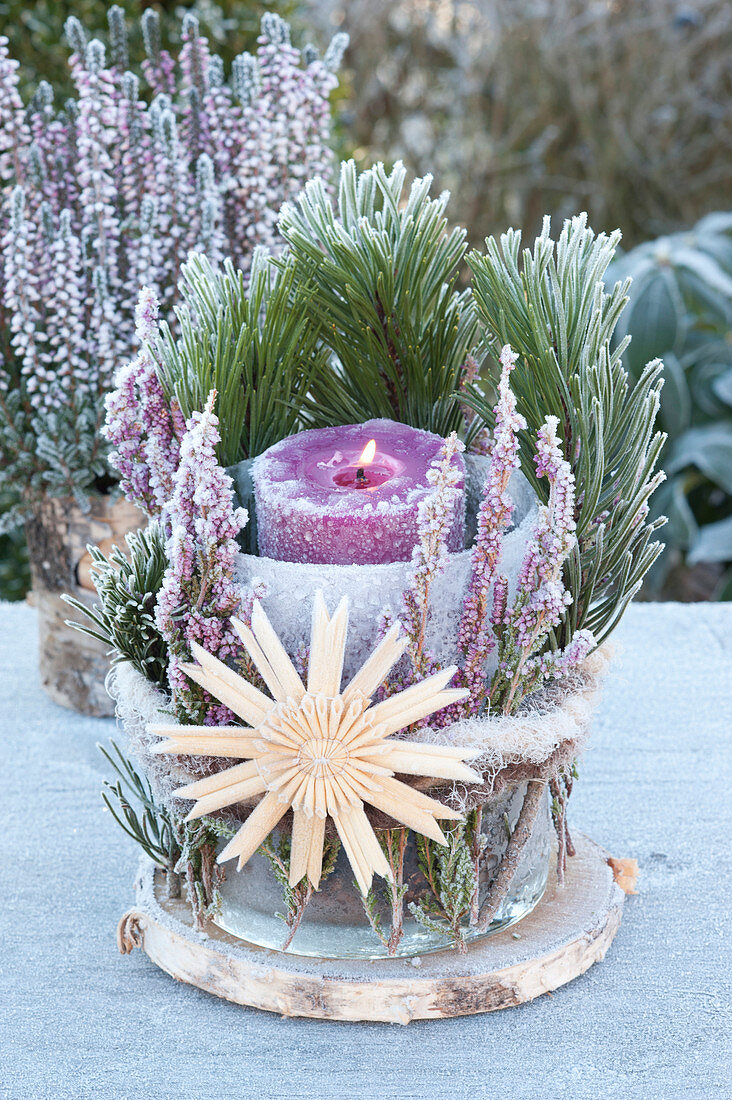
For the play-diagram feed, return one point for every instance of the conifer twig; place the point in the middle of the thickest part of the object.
(507, 869)
(384, 270)
(550, 304)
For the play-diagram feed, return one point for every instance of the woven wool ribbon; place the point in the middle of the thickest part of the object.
(549, 731)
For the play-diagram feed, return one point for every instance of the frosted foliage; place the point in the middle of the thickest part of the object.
(559, 714)
(112, 191)
(372, 589)
(137, 703)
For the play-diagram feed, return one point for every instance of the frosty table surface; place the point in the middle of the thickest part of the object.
(650, 1022)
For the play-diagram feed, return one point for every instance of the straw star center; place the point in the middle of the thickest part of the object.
(318, 750)
(316, 755)
(321, 758)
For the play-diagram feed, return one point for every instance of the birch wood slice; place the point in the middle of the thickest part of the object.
(570, 929)
(73, 666)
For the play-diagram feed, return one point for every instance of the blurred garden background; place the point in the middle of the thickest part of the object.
(523, 108)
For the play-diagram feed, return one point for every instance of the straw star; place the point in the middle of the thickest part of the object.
(317, 749)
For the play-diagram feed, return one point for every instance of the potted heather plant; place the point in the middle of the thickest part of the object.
(102, 194)
(482, 655)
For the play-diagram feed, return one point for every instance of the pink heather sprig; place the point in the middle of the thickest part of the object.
(129, 124)
(285, 109)
(159, 68)
(121, 184)
(15, 137)
(143, 427)
(198, 595)
(96, 140)
(42, 170)
(560, 663)
(542, 598)
(65, 333)
(476, 638)
(435, 517)
(20, 292)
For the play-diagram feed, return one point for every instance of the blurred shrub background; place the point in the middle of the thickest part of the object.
(527, 107)
(36, 30)
(681, 310)
(622, 108)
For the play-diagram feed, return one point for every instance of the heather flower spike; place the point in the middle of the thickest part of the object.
(476, 638)
(201, 550)
(144, 428)
(435, 515)
(318, 749)
(111, 192)
(542, 596)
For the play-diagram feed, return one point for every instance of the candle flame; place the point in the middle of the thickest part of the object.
(367, 454)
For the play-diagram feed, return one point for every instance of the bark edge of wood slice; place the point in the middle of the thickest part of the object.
(571, 928)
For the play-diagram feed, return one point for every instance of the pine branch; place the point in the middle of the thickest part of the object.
(384, 271)
(551, 306)
(127, 588)
(252, 343)
(149, 825)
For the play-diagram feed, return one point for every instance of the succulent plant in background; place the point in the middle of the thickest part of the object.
(681, 310)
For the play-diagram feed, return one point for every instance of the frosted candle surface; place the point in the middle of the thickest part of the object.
(320, 500)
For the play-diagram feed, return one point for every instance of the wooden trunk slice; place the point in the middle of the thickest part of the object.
(570, 929)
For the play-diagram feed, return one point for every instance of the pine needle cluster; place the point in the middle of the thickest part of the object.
(127, 586)
(182, 849)
(551, 306)
(384, 269)
(251, 341)
(131, 802)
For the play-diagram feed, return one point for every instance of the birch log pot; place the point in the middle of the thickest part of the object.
(570, 929)
(73, 666)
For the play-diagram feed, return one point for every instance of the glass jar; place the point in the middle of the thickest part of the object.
(334, 924)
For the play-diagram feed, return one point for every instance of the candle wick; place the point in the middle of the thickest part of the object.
(361, 479)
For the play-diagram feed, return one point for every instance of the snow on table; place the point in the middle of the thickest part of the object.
(78, 1020)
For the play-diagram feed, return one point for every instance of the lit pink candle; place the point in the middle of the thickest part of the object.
(348, 495)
